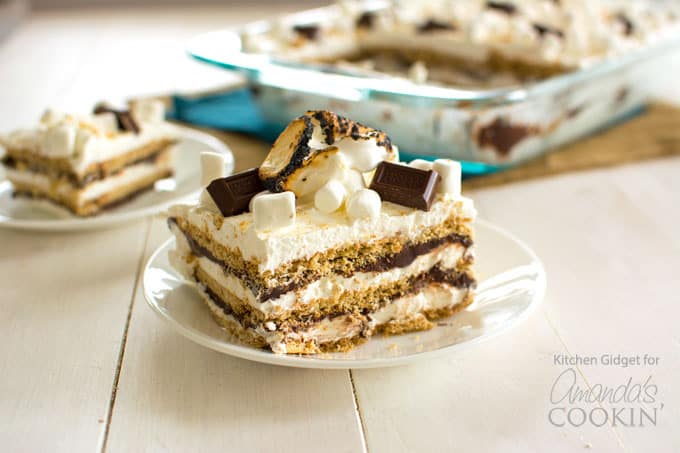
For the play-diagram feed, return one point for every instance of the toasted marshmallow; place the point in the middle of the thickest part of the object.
(59, 140)
(421, 164)
(330, 197)
(320, 146)
(213, 166)
(363, 203)
(274, 211)
(148, 111)
(450, 176)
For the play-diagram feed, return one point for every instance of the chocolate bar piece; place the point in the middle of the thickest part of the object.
(123, 117)
(407, 186)
(233, 193)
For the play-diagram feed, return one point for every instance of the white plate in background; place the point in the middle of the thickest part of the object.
(28, 214)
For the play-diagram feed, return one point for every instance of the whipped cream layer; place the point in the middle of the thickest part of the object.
(315, 232)
(92, 191)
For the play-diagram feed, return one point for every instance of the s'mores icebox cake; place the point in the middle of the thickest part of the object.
(329, 241)
(87, 163)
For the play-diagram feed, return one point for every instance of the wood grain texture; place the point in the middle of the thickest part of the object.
(65, 298)
(174, 395)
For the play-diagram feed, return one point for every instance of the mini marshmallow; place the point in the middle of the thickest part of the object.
(85, 142)
(353, 181)
(106, 123)
(149, 111)
(330, 197)
(362, 204)
(213, 166)
(274, 211)
(205, 200)
(421, 164)
(60, 140)
(250, 203)
(51, 117)
(450, 174)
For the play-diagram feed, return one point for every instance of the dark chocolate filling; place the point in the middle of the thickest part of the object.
(453, 278)
(386, 262)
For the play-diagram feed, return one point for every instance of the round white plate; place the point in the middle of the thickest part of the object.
(27, 214)
(512, 284)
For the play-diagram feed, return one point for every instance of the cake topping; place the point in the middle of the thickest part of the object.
(272, 211)
(330, 197)
(310, 32)
(233, 193)
(504, 7)
(404, 185)
(421, 164)
(123, 117)
(449, 176)
(213, 166)
(364, 203)
(544, 30)
(366, 20)
(59, 140)
(320, 146)
(626, 23)
(434, 25)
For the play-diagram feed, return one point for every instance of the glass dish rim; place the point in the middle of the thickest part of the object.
(315, 79)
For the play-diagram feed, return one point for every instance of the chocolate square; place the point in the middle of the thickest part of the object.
(404, 185)
(233, 193)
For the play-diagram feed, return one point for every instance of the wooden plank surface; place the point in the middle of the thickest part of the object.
(176, 395)
(65, 298)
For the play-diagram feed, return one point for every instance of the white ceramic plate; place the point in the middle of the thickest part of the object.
(27, 214)
(512, 284)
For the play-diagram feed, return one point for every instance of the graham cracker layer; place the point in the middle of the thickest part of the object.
(70, 199)
(297, 344)
(60, 168)
(301, 315)
(346, 260)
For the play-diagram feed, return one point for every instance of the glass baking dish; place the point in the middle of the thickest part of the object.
(487, 129)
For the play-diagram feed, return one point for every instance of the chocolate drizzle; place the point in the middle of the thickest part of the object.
(504, 7)
(627, 24)
(366, 20)
(433, 25)
(310, 32)
(401, 259)
(544, 30)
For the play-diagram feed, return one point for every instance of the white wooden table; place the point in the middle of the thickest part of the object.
(86, 366)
